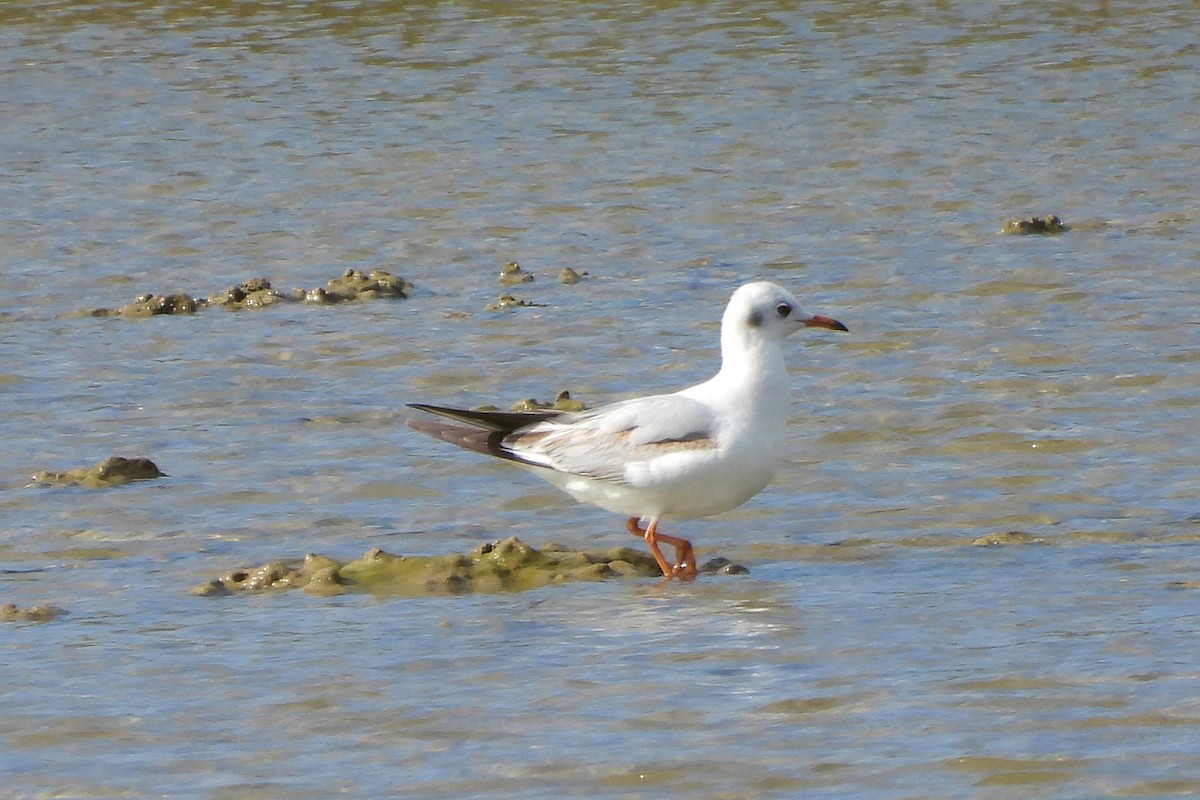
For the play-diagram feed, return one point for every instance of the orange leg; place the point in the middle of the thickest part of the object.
(685, 557)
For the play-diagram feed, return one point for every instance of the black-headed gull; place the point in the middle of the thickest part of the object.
(697, 452)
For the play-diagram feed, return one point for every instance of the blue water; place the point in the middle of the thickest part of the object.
(864, 156)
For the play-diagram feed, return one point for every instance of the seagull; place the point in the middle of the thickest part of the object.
(697, 452)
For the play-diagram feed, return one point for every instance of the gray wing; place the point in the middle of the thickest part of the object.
(600, 444)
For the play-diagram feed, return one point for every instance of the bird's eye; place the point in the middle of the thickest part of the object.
(783, 309)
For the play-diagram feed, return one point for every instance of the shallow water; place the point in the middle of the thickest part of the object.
(864, 156)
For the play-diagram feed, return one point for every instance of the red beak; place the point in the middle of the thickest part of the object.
(820, 321)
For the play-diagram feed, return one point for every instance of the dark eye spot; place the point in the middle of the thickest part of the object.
(783, 309)
(755, 319)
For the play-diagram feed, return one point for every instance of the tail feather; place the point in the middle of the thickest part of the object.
(507, 421)
(481, 431)
(477, 439)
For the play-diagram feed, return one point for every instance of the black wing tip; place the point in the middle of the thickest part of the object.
(463, 415)
(430, 409)
(506, 421)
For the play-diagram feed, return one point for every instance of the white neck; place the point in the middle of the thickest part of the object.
(753, 380)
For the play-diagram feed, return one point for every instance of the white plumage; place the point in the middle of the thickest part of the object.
(694, 453)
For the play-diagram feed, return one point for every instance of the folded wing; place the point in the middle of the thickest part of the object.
(597, 444)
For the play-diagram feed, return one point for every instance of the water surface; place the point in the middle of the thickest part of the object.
(865, 156)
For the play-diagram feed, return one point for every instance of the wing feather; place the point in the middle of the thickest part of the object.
(600, 444)
(507, 421)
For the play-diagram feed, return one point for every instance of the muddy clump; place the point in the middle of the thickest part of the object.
(315, 573)
(511, 274)
(570, 277)
(508, 565)
(11, 613)
(562, 402)
(507, 301)
(1049, 224)
(351, 285)
(722, 566)
(152, 305)
(113, 471)
(258, 293)
(356, 285)
(1007, 538)
(254, 293)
